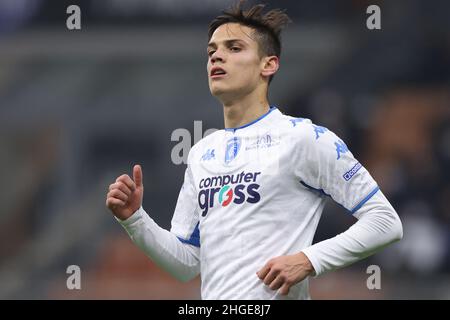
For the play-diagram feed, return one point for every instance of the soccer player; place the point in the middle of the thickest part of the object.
(253, 193)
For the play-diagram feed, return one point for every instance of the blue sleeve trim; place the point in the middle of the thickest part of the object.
(321, 191)
(363, 201)
(194, 239)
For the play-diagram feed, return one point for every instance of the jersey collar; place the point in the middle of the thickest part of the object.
(272, 108)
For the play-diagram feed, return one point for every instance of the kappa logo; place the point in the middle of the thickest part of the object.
(208, 155)
(319, 130)
(295, 120)
(341, 148)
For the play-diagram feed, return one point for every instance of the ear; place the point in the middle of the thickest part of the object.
(270, 66)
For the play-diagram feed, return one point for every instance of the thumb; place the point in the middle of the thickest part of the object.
(137, 175)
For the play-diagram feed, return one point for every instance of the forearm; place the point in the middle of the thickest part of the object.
(163, 247)
(377, 227)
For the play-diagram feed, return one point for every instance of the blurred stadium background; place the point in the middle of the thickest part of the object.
(78, 108)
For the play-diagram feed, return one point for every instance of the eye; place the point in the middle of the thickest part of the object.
(211, 52)
(235, 49)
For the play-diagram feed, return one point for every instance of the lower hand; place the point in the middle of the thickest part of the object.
(285, 271)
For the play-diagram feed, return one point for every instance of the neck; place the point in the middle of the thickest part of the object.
(240, 112)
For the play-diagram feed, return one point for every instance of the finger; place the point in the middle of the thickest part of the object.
(127, 180)
(113, 202)
(277, 283)
(116, 193)
(137, 175)
(121, 186)
(263, 272)
(270, 276)
(285, 289)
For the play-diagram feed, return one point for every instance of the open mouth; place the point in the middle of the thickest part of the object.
(217, 72)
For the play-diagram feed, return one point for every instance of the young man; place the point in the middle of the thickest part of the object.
(254, 192)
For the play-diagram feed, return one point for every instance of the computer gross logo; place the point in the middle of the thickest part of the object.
(227, 189)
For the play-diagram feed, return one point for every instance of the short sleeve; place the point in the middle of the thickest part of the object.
(185, 221)
(323, 163)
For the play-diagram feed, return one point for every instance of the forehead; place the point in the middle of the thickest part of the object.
(235, 31)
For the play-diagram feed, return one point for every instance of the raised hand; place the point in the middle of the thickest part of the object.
(125, 195)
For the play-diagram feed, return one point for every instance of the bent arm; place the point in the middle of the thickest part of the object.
(378, 225)
(181, 260)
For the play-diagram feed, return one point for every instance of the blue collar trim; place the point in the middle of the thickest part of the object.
(254, 121)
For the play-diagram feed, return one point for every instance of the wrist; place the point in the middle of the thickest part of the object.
(307, 265)
(131, 219)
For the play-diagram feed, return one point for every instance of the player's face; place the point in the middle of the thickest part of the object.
(234, 64)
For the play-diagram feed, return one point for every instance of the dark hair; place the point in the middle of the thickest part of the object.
(267, 26)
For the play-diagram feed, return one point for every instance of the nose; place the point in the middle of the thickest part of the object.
(216, 56)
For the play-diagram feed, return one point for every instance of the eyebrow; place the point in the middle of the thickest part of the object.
(227, 42)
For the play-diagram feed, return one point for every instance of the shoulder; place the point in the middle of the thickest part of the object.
(303, 130)
(306, 136)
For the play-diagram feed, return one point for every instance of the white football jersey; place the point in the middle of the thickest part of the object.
(257, 192)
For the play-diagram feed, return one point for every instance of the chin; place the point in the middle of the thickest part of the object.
(217, 91)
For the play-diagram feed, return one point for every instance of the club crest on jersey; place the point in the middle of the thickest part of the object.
(232, 149)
